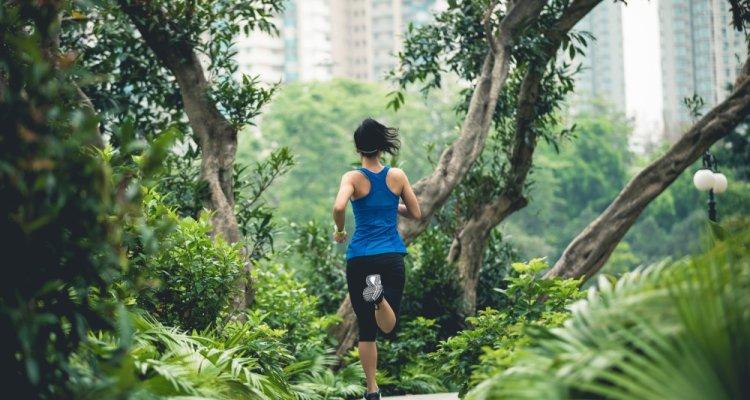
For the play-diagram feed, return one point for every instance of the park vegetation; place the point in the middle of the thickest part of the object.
(165, 220)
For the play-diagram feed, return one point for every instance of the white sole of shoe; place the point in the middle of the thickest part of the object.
(373, 290)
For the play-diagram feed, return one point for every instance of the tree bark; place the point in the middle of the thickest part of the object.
(215, 135)
(456, 160)
(588, 252)
(470, 243)
(433, 190)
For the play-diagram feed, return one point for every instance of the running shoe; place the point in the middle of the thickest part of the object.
(373, 395)
(373, 293)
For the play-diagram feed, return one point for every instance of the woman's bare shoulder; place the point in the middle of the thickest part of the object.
(349, 176)
(398, 173)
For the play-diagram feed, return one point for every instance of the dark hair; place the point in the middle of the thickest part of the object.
(372, 137)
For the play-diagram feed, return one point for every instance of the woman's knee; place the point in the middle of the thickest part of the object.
(367, 335)
(390, 333)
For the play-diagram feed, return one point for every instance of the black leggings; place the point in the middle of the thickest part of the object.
(390, 266)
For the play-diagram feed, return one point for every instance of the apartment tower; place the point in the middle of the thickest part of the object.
(701, 54)
(601, 80)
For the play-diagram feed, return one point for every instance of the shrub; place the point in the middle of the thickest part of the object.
(669, 331)
(149, 360)
(432, 288)
(494, 336)
(492, 275)
(401, 362)
(319, 264)
(287, 305)
(191, 275)
(243, 360)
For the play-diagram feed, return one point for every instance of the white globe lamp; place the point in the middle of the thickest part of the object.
(719, 183)
(703, 180)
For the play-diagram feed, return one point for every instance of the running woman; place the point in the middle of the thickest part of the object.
(375, 255)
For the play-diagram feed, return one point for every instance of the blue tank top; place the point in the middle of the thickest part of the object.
(375, 219)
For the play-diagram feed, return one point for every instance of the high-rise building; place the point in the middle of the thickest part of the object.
(320, 39)
(368, 34)
(419, 12)
(301, 51)
(601, 79)
(700, 54)
(307, 40)
(261, 54)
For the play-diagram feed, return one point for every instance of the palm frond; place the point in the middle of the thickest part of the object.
(678, 330)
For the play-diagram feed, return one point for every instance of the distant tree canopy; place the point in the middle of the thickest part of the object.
(317, 120)
(572, 187)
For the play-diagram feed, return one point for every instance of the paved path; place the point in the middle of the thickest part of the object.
(436, 396)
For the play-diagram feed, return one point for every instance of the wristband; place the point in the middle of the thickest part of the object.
(338, 232)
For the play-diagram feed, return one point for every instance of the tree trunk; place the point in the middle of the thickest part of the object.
(469, 245)
(433, 190)
(215, 135)
(588, 252)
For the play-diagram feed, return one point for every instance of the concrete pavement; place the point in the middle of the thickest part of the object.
(436, 396)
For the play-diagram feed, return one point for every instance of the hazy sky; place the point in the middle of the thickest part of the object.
(642, 71)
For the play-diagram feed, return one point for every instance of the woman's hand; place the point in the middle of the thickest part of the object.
(339, 236)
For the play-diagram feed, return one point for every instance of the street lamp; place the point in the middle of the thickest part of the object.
(710, 180)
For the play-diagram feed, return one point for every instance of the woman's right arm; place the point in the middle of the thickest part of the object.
(346, 189)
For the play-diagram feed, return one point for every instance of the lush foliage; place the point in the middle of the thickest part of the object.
(245, 360)
(134, 85)
(279, 350)
(119, 289)
(319, 263)
(495, 336)
(677, 330)
(190, 277)
(58, 213)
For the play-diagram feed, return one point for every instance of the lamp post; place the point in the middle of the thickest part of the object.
(709, 179)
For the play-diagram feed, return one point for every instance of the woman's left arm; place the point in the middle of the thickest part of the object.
(346, 190)
(410, 207)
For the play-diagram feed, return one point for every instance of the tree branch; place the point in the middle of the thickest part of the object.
(525, 139)
(470, 242)
(522, 152)
(433, 190)
(588, 252)
(487, 23)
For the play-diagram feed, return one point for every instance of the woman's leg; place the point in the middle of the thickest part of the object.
(356, 271)
(385, 316)
(368, 355)
(392, 277)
